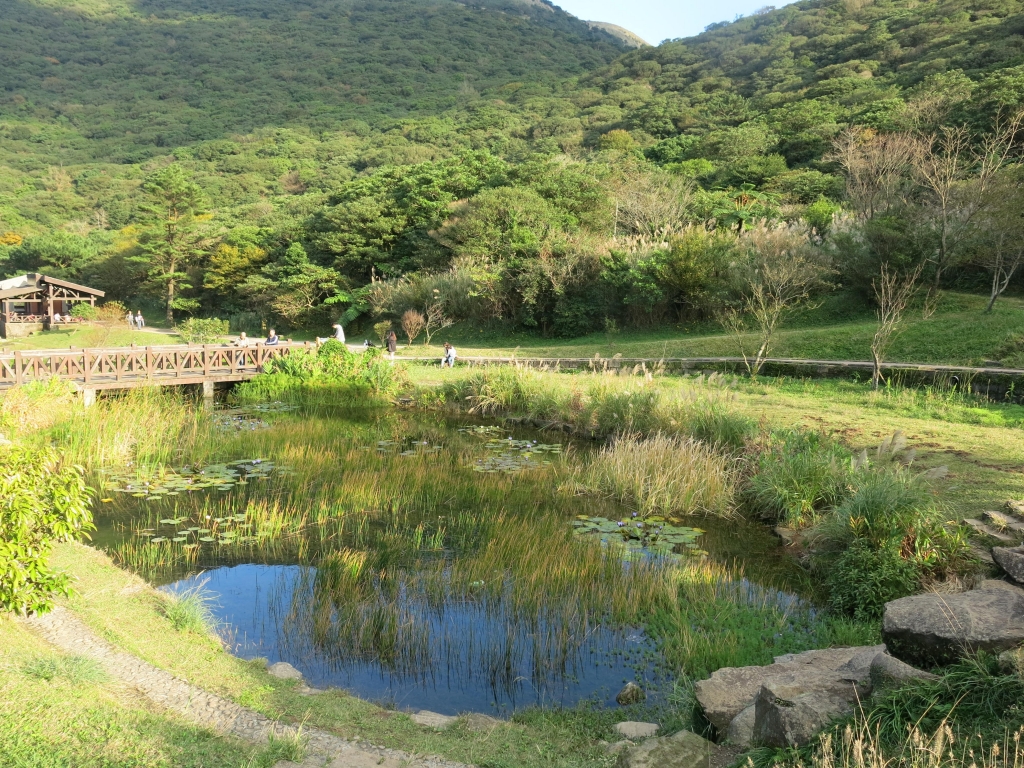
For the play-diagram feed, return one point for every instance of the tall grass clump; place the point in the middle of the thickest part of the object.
(189, 610)
(701, 408)
(505, 389)
(797, 476)
(147, 425)
(660, 475)
(861, 746)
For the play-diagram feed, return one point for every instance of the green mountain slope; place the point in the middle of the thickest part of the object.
(123, 81)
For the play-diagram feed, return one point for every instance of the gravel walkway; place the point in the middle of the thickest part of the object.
(61, 628)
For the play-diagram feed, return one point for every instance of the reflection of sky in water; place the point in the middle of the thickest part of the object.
(474, 660)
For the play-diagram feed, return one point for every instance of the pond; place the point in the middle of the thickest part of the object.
(419, 560)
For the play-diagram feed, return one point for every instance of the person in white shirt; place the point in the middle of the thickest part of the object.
(139, 322)
(243, 340)
(339, 334)
(449, 355)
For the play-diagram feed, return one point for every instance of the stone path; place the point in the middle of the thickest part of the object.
(62, 629)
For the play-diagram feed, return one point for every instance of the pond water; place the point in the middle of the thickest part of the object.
(422, 561)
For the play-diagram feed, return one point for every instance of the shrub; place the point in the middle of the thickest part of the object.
(111, 312)
(863, 579)
(661, 474)
(42, 501)
(797, 476)
(85, 311)
(202, 330)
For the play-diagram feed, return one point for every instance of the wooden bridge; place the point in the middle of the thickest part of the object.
(125, 367)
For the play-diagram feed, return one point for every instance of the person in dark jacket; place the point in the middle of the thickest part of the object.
(392, 343)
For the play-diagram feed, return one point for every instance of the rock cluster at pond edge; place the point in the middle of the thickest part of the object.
(932, 628)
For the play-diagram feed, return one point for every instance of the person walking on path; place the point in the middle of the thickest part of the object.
(392, 343)
(449, 355)
(140, 323)
(131, 320)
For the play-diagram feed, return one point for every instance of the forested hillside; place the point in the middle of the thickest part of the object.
(501, 161)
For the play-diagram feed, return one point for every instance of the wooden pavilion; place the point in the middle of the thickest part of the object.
(33, 302)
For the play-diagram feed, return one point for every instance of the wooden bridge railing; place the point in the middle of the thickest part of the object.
(129, 366)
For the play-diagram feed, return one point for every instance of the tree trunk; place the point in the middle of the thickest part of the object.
(170, 295)
(876, 369)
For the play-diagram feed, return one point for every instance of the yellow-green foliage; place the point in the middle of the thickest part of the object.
(660, 474)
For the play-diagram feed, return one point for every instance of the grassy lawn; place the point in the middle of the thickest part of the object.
(959, 333)
(58, 711)
(89, 335)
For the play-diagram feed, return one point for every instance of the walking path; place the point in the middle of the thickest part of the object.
(64, 630)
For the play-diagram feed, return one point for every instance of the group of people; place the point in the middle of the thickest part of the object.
(136, 321)
(390, 341)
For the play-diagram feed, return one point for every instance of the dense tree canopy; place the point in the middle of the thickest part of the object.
(503, 161)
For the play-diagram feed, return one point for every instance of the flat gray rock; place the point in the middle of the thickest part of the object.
(681, 750)
(478, 722)
(429, 719)
(930, 629)
(635, 731)
(731, 690)
(282, 670)
(1011, 561)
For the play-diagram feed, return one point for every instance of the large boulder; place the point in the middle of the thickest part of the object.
(934, 629)
(790, 709)
(681, 750)
(888, 671)
(731, 690)
(1011, 561)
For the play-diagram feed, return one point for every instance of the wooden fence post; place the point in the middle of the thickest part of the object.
(19, 373)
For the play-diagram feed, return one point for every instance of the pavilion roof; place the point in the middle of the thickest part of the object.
(33, 283)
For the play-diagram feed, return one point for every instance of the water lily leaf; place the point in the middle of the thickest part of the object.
(168, 521)
(157, 540)
(180, 538)
(206, 538)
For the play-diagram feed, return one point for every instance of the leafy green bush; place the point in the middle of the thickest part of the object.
(798, 476)
(864, 579)
(42, 501)
(202, 330)
(332, 366)
(84, 311)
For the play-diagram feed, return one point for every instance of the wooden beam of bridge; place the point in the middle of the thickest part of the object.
(126, 367)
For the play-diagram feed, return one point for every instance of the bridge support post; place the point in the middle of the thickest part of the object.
(88, 397)
(208, 389)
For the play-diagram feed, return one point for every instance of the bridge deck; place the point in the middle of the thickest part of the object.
(125, 367)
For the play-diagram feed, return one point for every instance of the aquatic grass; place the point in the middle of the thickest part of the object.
(721, 619)
(76, 670)
(189, 610)
(142, 426)
(659, 475)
